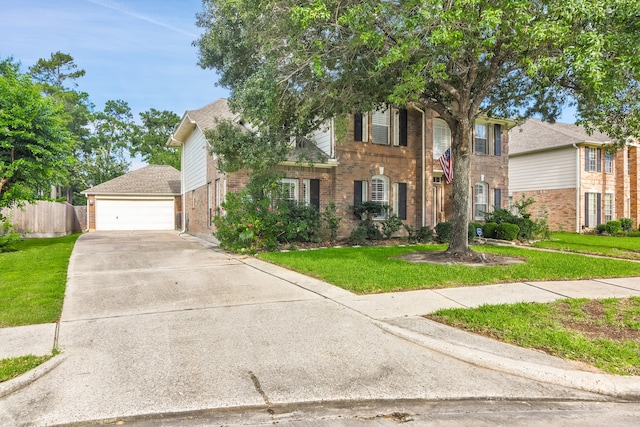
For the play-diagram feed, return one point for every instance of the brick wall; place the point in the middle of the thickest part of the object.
(559, 205)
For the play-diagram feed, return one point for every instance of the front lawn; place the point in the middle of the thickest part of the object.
(33, 280)
(373, 269)
(618, 247)
(16, 366)
(603, 333)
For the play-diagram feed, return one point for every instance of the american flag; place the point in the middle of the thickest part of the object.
(447, 165)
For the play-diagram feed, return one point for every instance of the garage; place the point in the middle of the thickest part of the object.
(134, 214)
(145, 199)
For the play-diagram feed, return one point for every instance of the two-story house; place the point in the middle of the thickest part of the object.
(389, 156)
(574, 177)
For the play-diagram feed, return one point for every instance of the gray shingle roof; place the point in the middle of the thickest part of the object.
(206, 116)
(536, 135)
(152, 179)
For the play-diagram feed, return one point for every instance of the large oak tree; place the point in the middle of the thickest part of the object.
(291, 64)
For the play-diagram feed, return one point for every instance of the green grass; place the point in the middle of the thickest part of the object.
(602, 333)
(619, 247)
(373, 269)
(15, 366)
(33, 279)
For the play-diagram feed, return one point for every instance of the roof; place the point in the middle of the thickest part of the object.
(536, 135)
(149, 180)
(205, 118)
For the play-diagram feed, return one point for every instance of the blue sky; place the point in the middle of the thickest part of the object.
(136, 50)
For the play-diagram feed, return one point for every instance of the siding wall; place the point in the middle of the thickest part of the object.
(195, 152)
(547, 170)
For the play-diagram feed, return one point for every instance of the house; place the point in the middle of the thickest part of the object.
(572, 175)
(145, 199)
(389, 156)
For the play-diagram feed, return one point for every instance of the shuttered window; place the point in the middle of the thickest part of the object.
(380, 127)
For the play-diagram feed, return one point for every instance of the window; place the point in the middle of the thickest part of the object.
(480, 141)
(441, 137)
(593, 159)
(380, 192)
(289, 188)
(380, 128)
(592, 209)
(608, 163)
(437, 179)
(608, 207)
(481, 198)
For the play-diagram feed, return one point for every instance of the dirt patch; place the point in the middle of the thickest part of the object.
(593, 325)
(473, 259)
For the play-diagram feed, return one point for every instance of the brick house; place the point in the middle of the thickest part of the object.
(390, 156)
(572, 176)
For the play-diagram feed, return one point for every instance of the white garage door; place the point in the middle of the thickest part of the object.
(134, 214)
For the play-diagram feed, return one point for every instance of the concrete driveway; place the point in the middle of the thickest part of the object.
(157, 323)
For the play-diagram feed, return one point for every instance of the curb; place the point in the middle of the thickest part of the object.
(627, 388)
(15, 384)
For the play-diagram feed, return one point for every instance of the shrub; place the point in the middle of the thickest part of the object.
(529, 229)
(391, 225)
(301, 223)
(8, 236)
(613, 227)
(331, 221)
(627, 224)
(424, 235)
(443, 232)
(601, 228)
(507, 231)
(634, 234)
(365, 212)
(358, 236)
(489, 230)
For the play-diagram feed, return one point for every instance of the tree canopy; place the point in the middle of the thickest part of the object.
(293, 64)
(150, 138)
(35, 147)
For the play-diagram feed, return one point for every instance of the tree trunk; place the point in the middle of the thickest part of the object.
(461, 157)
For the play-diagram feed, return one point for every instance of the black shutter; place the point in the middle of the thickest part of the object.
(402, 200)
(357, 193)
(357, 127)
(402, 132)
(314, 193)
(599, 167)
(586, 209)
(497, 195)
(599, 201)
(497, 133)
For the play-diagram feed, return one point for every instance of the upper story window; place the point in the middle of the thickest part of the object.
(380, 121)
(441, 137)
(481, 145)
(593, 159)
(608, 163)
(380, 192)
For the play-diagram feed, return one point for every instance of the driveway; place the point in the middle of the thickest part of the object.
(158, 323)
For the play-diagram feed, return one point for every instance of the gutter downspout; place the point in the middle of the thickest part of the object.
(424, 190)
(578, 179)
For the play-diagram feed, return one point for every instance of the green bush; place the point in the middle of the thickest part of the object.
(489, 230)
(613, 227)
(8, 236)
(627, 224)
(507, 231)
(359, 236)
(601, 228)
(418, 235)
(391, 225)
(331, 221)
(529, 229)
(365, 212)
(443, 232)
(634, 234)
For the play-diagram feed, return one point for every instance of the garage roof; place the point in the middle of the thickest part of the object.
(152, 179)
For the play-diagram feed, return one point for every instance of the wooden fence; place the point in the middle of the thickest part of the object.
(48, 219)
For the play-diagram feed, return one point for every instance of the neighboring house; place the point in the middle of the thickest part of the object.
(389, 156)
(572, 176)
(145, 199)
